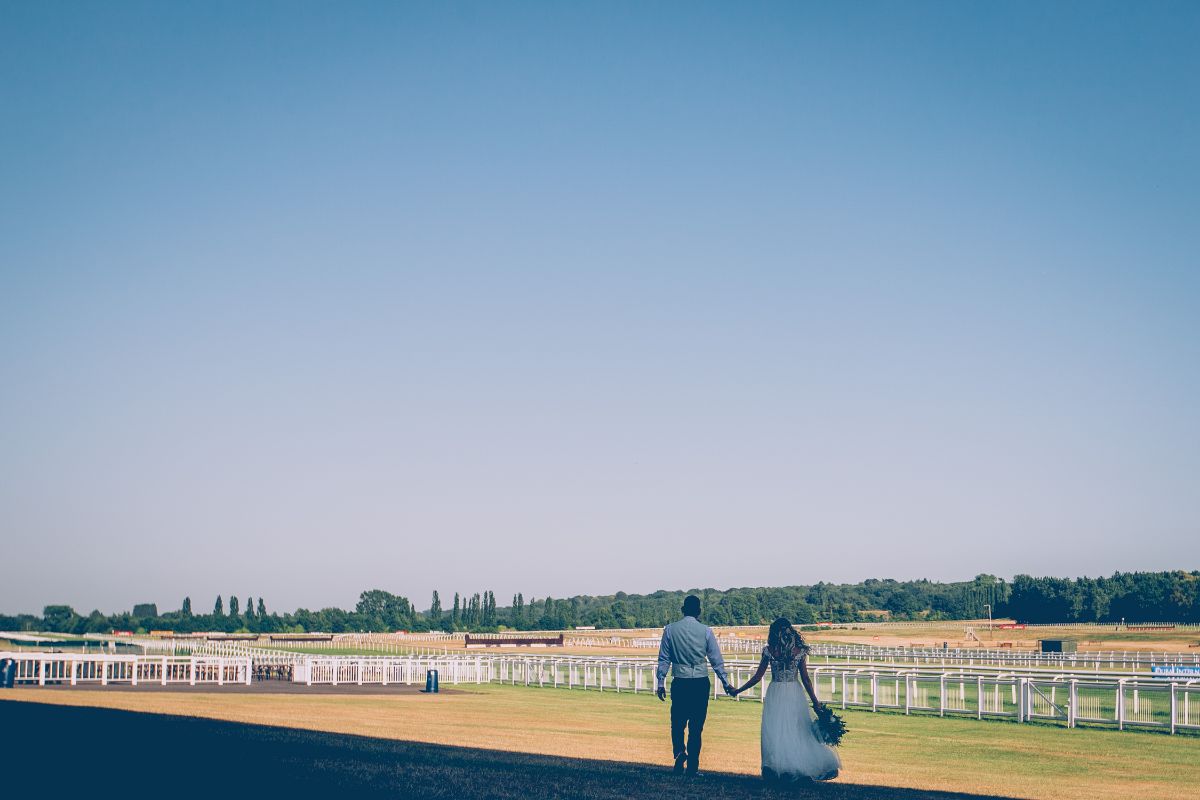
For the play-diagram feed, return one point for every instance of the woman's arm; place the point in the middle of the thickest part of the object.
(807, 681)
(762, 670)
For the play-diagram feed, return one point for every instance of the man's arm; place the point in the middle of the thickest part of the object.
(714, 657)
(664, 662)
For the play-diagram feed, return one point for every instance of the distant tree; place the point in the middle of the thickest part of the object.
(60, 619)
(186, 610)
(218, 608)
(96, 623)
(249, 607)
(262, 608)
(233, 606)
(142, 610)
(456, 613)
(489, 610)
(518, 612)
(435, 610)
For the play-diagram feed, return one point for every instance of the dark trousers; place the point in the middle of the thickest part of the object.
(689, 708)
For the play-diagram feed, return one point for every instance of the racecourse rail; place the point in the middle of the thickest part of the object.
(1026, 693)
(75, 668)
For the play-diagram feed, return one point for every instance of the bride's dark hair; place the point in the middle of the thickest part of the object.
(783, 638)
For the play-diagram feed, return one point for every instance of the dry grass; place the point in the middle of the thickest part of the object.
(938, 754)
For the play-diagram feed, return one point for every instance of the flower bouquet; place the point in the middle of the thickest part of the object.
(829, 726)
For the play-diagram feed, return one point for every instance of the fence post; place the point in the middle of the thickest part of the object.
(1174, 706)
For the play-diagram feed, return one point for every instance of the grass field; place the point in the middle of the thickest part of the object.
(991, 758)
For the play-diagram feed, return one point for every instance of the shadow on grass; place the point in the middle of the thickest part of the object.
(68, 750)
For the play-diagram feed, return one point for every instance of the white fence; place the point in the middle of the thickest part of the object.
(385, 670)
(929, 656)
(1123, 702)
(74, 668)
(1025, 693)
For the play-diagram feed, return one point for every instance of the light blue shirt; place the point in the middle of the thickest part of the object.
(685, 648)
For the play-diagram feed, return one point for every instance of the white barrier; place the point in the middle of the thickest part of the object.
(75, 668)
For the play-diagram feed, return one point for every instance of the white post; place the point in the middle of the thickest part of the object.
(164, 670)
(1121, 705)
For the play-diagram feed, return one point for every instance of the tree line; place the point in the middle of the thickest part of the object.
(1131, 596)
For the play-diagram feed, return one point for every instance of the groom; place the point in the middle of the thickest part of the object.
(685, 646)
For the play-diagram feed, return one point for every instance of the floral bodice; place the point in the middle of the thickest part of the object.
(783, 669)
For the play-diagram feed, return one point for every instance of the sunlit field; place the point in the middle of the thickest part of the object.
(996, 758)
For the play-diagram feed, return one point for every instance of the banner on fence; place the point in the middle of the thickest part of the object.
(1175, 671)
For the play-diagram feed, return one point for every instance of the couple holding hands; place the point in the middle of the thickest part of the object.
(793, 746)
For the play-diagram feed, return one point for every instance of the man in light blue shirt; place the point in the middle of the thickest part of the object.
(687, 648)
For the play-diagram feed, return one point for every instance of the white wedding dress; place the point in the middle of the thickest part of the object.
(791, 746)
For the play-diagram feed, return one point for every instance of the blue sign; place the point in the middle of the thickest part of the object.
(1175, 671)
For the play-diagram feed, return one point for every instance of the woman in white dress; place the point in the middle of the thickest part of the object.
(791, 746)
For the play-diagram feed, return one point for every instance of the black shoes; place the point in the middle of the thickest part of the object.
(679, 760)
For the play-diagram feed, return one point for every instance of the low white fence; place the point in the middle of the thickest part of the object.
(970, 656)
(74, 668)
(385, 670)
(1123, 702)
(1003, 657)
(1024, 694)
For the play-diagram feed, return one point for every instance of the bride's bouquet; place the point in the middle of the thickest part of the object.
(829, 726)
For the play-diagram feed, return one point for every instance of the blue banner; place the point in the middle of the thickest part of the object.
(1175, 671)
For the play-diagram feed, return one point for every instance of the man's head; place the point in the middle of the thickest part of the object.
(691, 606)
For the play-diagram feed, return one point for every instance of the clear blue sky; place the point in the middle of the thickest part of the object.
(300, 299)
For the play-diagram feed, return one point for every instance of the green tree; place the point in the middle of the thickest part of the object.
(518, 612)
(186, 610)
(218, 608)
(60, 619)
(142, 610)
(435, 610)
(234, 611)
(262, 608)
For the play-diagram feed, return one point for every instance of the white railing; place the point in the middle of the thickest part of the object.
(929, 656)
(383, 670)
(1023, 693)
(75, 668)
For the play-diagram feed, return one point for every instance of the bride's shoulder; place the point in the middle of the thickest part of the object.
(766, 653)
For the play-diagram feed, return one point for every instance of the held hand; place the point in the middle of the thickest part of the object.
(662, 693)
(732, 692)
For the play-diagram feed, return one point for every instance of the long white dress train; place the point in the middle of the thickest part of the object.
(791, 747)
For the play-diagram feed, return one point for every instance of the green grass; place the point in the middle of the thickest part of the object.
(989, 757)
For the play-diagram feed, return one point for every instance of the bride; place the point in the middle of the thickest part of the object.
(791, 748)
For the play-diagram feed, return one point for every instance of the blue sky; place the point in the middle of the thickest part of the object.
(301, 299)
